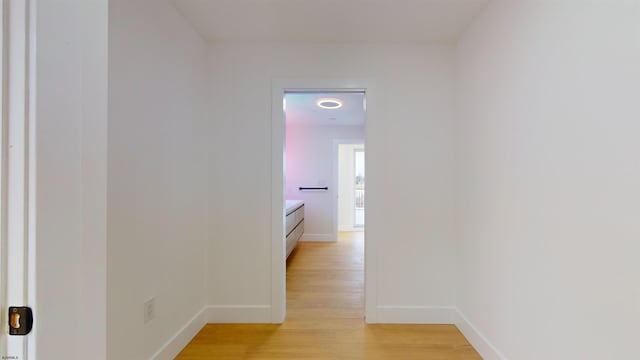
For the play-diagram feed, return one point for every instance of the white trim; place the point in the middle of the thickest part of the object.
(31, 276)
(181, 339)
(249, 314)
(3, 167)
(18, 167)
(370, 244)
(211, 314)
(278, 263)
(347, 228)
(479, 342)
(278, 251)
(319, 237)
(385, 314)
(336, 178)
(416, 314)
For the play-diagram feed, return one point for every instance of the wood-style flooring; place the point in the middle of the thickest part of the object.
(325, 310)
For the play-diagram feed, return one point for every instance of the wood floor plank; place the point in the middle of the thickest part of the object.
(325, 318)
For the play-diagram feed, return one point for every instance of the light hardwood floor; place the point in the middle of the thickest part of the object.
(325, 309)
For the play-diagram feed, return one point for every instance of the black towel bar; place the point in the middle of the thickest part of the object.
(313, 188)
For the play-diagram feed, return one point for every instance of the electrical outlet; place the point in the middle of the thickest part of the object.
(149, 309)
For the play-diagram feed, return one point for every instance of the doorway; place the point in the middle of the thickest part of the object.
(311, 160)
(351, 186)
(314, 187)
(314, 122)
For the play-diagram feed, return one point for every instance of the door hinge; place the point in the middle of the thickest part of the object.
(20, 320)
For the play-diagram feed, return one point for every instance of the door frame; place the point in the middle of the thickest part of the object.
(279, 88)
(17, 245)
(336, 178)
(355, 213)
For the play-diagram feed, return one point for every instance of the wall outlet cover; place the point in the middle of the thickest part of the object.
(149, 309)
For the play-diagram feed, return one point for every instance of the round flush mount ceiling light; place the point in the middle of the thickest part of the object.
(329, 103)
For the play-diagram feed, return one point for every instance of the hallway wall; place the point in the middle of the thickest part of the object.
(70, 167)
(549, 202)
(409, 185)
(157, 175)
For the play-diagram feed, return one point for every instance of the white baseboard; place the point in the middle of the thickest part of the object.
(212, 314)
(416, 314)
(350, 228)
(179, 341)
(258, 314)
(318, 237)
(384, 314)
(477, 339)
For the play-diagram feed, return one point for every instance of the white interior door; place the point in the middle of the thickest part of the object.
(15, 183)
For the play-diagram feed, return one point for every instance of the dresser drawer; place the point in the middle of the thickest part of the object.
(294, 236)
(299, 214)
(291, 222)
(294, 219)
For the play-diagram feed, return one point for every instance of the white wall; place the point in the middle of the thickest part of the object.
(70, 169)
(346, 186)
(310, 163)
(549, 199)
(157, 178)
(409, 209)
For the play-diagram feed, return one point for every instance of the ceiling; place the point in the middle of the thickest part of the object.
(301, 109)
(330, 20)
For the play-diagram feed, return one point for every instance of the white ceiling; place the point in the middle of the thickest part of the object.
(330, 20)
(301, 109)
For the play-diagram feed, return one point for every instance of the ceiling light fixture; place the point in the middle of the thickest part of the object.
(329, 103)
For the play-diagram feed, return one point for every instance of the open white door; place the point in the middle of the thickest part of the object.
(16, 183)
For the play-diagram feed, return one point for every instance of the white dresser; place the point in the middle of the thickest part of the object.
(294, 224)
